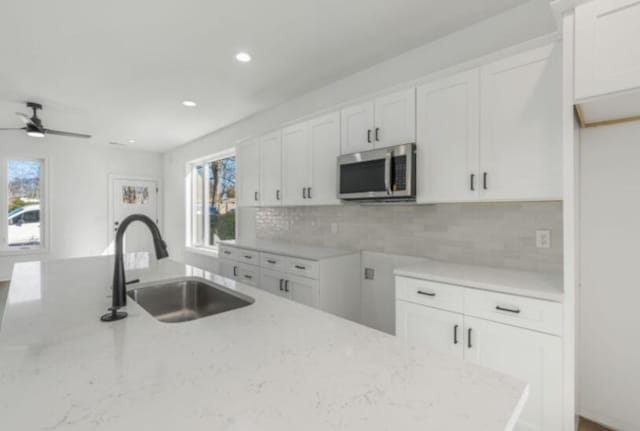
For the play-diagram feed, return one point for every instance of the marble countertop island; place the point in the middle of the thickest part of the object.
(273, 365)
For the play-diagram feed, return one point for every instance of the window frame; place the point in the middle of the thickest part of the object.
(43, 247)
(190, 204)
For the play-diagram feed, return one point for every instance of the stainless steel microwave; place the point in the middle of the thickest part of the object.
(381, 174)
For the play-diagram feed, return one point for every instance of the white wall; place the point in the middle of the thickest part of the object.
(77, 184)
(609, 296)
(515, 26)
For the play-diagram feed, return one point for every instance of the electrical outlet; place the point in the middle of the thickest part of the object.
(334, 228)
(543, 238)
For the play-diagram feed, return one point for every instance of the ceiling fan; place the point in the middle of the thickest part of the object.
(34, 128)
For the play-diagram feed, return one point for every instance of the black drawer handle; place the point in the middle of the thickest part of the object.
(422, 292)
(248, 277)
(473, 182)
(235, 271)
(301, 267)
(286, 285)
(248, 257)
(455, 334)
(469, 345)
(510, 310)
(484, 181)
(226, 252)
(271, 261)
(281, 282)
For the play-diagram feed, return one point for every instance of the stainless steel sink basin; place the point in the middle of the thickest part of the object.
(187, 299)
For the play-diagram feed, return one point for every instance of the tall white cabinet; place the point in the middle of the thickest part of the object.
(493, 133)
(248, 173)
(271, 169)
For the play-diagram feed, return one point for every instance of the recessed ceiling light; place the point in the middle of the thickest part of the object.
(189, 103)
(243, 57)
(132, 141)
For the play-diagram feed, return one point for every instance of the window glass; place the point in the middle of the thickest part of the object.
(198, 204)
(222, 199)
(24, 200)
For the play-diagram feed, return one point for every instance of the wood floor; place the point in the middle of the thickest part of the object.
(587, 425)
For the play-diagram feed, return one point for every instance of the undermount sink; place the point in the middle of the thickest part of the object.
(187, 299)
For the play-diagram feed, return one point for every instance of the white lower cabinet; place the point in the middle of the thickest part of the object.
(273, 282)
(513, 349)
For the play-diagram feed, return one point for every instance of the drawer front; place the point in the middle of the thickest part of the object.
(228, 252)
(274, 262)
(530, 313)
(248, 256)
(433, 294)
(303, 268)
(248, 274)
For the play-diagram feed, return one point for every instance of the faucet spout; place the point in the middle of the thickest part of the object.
(119, 299)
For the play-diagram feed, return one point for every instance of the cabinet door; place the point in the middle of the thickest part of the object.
(447, 139)
(324, 135)
(607, 53)
(248, 161)
(528, 355)
(521, 139)
(357, 128)
(395, 119)
(296, 164)
(272, 282)
(271, 169)
(302, 290)
(440, 331)
(229, 269)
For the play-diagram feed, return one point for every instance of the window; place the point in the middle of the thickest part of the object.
(213, 200)
(23, 184)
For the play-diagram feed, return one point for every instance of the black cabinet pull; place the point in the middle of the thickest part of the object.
(369, 136)
(301, 267)
(235, 271)
(510, 310)
(469, 345)
(271, 261)
(278, 195)
(248, 277)
(422, 292)
(304, 193)
(455, 334)
(309, 192)
(377, 134)
(286, 285)
(484, 181)
(255, 196)
(281, 281)
(226, 252)
(248, 256)
(473, 182)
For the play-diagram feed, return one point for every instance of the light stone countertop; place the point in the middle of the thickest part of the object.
(289, 249)
(274, 365)
(540, 285)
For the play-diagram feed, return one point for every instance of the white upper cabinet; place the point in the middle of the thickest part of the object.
(607, 52)
(528, 355)
(395, 119)
(271, 169)
(357, 128)
(324, 137)
(388, 120)
(310, 152)
(296, 164)
(447, 139)
(248, 160)
(520, 127)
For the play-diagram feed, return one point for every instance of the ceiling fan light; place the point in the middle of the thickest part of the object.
(35, 133)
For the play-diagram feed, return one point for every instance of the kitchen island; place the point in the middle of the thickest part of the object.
(273, 365)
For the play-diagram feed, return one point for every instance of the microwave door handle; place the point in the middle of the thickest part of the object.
(387, 172)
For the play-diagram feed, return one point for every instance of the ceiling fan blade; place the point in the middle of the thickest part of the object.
(69, 134)
(13, 128)
(24, 118)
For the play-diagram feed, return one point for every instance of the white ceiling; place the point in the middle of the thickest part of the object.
(120, 69)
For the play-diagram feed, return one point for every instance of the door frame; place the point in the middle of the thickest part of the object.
(111, 204)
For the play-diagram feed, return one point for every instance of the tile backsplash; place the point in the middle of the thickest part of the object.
(495, 234)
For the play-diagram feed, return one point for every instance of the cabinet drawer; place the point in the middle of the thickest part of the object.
(248, 274)
(274, 262)
(228, 252)
(439, 295)
(303, 267)
(536, 314)
(248, 256)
